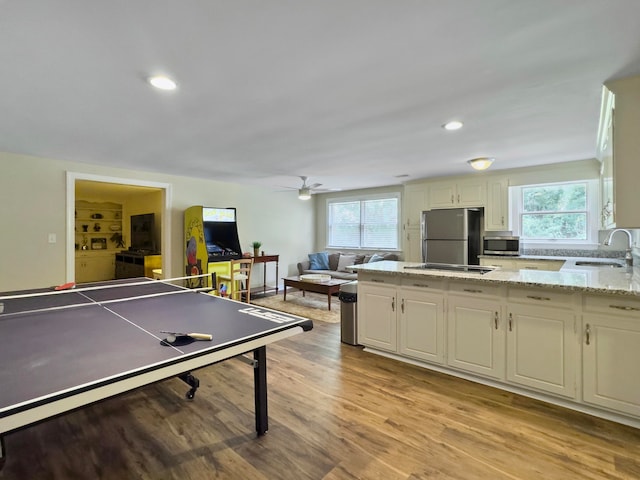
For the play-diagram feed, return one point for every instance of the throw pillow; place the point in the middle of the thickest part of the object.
(346, 261)
(376, 258)
(334, 258)
(319, 261)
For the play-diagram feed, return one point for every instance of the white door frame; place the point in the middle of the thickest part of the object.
(72, 177)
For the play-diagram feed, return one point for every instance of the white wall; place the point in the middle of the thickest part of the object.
(33, 204)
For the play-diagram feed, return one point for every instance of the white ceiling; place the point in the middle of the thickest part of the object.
(351, 93)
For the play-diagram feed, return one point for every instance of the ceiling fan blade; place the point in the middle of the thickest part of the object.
(315, 185)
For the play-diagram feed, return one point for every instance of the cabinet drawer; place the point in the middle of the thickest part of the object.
(426, 283)
(376, 278)
(542, 297)
(552, 265)
(471, 288)
(612, 304)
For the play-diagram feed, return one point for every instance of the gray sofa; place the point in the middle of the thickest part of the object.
(337, 264)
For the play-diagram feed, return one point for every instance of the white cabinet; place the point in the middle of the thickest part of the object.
(377, 323)
(575, 347)
(412, 245)
(542, 341)
(464, 193)
(475, 336)
(421, 321)
(94, 267)
(611, 353)
(626, 145)
(414, 203)
(496, 212)
(402, 318)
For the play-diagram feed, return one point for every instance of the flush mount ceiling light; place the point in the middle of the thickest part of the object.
(453, 125)
(304, 193)
(481, 163)
(162, 82)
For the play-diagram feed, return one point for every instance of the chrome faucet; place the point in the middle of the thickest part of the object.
(628, 256)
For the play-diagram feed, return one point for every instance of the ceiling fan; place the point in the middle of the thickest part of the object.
(304, 192)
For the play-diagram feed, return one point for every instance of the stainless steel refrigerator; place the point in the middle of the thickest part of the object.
(452, 235)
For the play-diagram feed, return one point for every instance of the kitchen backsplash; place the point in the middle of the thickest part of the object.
(567, 252)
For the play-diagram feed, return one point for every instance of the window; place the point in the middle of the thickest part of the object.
(370, 222)
(555, 212)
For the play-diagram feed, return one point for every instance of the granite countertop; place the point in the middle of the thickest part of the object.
(604, 280)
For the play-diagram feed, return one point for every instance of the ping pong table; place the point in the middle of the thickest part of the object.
(65, 350)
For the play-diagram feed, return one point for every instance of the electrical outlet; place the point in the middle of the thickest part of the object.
(52, 238)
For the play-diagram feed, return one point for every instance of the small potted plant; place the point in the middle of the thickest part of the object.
(256, 248)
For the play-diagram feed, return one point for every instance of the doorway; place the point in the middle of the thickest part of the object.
(113, 188)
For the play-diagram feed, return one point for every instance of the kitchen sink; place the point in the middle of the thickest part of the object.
(451, 267)
(599, 264)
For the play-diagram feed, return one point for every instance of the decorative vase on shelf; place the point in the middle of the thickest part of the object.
(256, 248)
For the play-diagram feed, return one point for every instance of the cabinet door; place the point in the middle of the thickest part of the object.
(475, 336)
(414, 202)
(422, 324)
(542, 349)
(412, 246)
(442, 195)
(377, 325)
(611, 356)
(103, 268)
(496, 211)
(470, 194)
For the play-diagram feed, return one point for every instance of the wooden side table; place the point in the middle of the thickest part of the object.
(267, 259)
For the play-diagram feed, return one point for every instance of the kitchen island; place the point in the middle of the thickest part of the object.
(570, 337)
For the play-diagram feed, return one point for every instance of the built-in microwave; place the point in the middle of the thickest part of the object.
(509, 246)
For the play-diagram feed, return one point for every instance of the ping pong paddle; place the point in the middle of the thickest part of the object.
(171, 336)
(65, 286)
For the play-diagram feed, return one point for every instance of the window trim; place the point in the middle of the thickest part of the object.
(593, 196)
(362, 198)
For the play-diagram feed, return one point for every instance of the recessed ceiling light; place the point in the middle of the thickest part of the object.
(453, 125)
(162, 82)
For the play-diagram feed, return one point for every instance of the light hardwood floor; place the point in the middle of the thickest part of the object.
(335, 412)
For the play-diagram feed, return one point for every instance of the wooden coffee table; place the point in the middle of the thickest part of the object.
(329, 287)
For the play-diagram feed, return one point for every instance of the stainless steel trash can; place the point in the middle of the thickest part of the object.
(348, 297)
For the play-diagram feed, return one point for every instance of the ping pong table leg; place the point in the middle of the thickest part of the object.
(260, 389)
(192, 381)
(3, 452)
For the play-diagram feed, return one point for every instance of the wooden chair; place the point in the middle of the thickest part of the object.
(240, 274)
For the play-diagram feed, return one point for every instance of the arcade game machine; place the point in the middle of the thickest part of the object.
(211, 239)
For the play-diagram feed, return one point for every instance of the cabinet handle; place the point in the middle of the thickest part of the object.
(536, 297)
(402, 305)
(495, 320)
(420, 285)
(587, 334)
(458, 198)
(624, 307)
(502, 220)
(472, 290)
(510, 322)
(375, 280)
(393, 304)
(451, 198)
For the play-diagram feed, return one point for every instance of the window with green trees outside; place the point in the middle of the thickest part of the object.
(554, 212)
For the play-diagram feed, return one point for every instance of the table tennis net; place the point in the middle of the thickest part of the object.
(91, 294)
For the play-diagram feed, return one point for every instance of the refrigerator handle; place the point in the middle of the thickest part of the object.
(423, 237)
